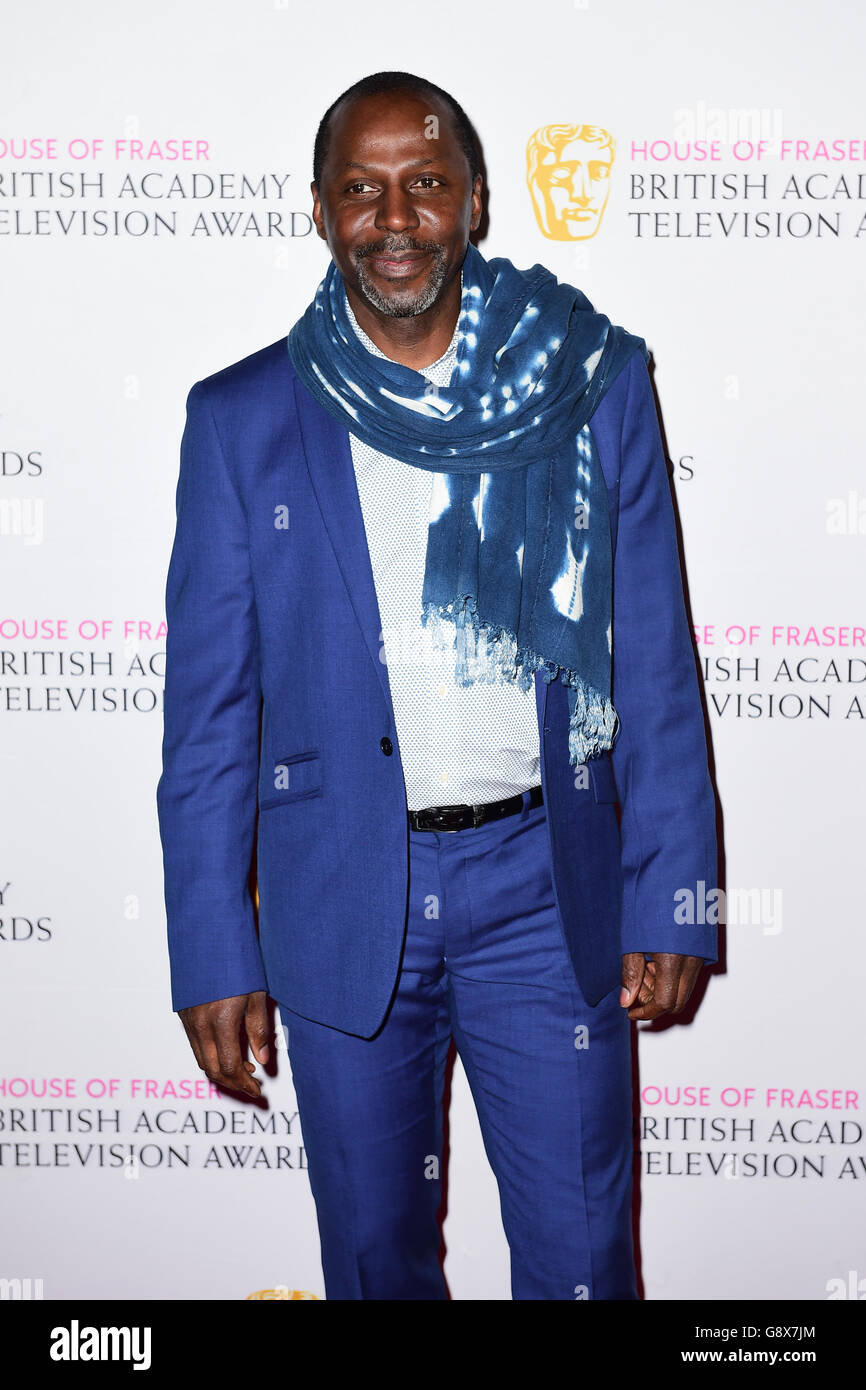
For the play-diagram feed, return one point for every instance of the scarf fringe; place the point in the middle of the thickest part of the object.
(490, 654)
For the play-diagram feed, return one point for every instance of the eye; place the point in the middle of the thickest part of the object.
(427, 179)
(360, 184)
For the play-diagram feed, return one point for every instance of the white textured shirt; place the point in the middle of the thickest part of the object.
(457, 743)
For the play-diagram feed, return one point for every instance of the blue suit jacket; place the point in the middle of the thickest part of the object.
(282, 621)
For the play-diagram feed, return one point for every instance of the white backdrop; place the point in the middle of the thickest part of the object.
(123, 1177)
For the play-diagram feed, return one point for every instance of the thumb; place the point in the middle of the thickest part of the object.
(633, 967)
(256, 1023)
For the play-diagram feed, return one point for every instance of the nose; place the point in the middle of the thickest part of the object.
(396, 211)
(580, 187)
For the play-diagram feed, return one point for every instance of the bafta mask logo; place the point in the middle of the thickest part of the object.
(568, 173)
(282, 1291)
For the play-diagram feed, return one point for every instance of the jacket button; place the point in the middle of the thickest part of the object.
(386, 746)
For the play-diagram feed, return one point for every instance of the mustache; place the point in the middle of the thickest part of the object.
(397, 248)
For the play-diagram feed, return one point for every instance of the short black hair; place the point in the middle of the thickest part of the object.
(398, 82)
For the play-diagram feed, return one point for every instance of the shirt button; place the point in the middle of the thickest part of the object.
(386, 746)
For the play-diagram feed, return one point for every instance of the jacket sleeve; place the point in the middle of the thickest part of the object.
(669, 853)
(206, 796)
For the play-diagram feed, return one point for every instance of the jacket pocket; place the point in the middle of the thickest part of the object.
(292, 778)
(603, 783)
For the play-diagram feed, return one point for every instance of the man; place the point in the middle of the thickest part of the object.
(428, 541)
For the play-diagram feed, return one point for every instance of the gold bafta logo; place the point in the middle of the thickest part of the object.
(568, 173)
(282, 1291)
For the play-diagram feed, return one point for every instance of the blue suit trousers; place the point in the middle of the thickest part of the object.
(484, 962)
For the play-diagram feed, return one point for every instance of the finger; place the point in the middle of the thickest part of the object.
(688, 978)
(214, 1038)
(633, 969)
(213, 1031)
(192, 1037)
(674, 977)
(256, 1021)
(232, 1064)
(245, 1085)
(667, 979)
(644, 1005)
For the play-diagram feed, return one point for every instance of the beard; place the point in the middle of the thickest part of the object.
(404, 301)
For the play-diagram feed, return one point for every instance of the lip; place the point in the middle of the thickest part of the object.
(399, 267)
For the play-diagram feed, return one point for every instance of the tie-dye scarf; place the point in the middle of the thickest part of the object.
(518, 567)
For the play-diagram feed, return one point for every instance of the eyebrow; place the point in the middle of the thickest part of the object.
(368, 168)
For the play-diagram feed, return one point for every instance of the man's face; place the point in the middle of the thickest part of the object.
(395, 201)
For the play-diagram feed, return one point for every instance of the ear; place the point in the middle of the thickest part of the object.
(477, 207)
(317, 214)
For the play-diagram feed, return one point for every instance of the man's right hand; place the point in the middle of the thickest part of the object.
(214, 1034)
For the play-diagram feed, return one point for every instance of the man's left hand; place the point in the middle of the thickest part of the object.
(659, 985)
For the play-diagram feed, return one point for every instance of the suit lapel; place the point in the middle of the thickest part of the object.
(328, 454)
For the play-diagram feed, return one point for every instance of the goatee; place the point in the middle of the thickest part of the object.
(402, 303)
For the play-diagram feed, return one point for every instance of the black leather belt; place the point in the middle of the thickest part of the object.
(463, 817)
